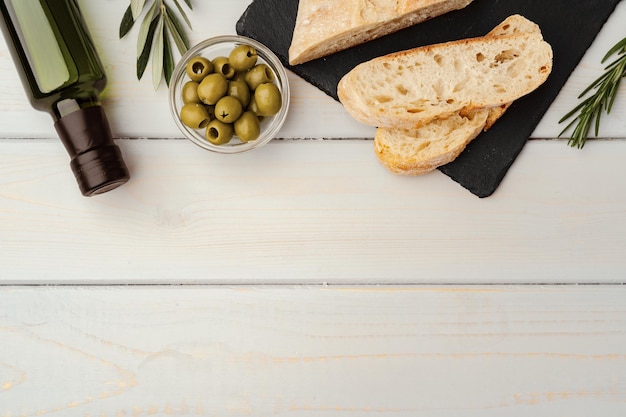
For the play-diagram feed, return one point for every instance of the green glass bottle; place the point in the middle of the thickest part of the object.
(62, 75)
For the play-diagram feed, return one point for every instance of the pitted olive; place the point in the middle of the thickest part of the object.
(228, 109)
(198, 67)
(247, 127)
(194, 115)
(190, 92)
(254, 108)
(219, 133)
(239, 76)
(222, 66)
(268, 99)
(258, 75)
(243, 57)
(240, 90)
(212, 88)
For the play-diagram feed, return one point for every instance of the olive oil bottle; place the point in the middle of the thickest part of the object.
(63, 75)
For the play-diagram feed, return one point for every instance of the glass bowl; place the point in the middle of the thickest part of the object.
(221, 46)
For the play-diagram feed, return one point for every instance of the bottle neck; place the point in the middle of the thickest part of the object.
(96, 161)
(67, 106)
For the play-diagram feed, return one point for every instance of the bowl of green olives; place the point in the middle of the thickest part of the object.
(229, 94)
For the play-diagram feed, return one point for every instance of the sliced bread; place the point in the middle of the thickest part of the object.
(411, 88)
(324, 27)
(418, 151)
(512, 24)
(421, 150)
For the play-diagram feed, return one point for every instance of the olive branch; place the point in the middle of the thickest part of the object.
(159, 27)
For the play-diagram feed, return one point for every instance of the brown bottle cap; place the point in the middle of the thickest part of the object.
(96, 161)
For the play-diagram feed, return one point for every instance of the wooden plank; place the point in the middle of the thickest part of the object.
(310, 212)
(298, 351)
(136, 110)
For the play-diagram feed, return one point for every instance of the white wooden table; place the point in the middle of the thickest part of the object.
(200, 288)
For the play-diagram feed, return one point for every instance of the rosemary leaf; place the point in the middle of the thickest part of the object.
(603, 92)
(620, 45)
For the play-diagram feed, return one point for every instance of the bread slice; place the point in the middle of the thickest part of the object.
(421, 150)
(411, 88)
(515, 24)
(512, 24)
(418, 151)
(324, 27)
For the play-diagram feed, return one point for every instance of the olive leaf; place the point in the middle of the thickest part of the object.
(142, 60)
(176, 30)
(157, 56)
(143, 29)
(168, 60)
(137, 7)
(182, 12)
(161, 24)
(127, 22)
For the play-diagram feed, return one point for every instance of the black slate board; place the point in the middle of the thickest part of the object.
(570, 26)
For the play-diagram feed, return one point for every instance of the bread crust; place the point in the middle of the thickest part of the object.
(418, 151)
(421, 150)
(324, 27)
(411, 88)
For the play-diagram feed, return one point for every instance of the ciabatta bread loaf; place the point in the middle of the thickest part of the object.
(411, 88)
(418, 151)
(324, 27)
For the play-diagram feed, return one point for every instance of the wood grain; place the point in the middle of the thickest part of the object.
(296, 351)
(298, 212)
(136, 110)
(311, 212)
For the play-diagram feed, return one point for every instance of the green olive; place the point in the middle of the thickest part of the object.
(243, 57)
(240, 90)
(211, 110)
(222, 66)
(240, 76)
(219, 133)
(254, 109)
(268, 99)
(213, 87)
(258, 75)
(198, 67)
(190, 92)
(247, 127)
(194, 115)
(228, 109)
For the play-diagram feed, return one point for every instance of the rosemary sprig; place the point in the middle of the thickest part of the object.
(160, 25)
(590, 110)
